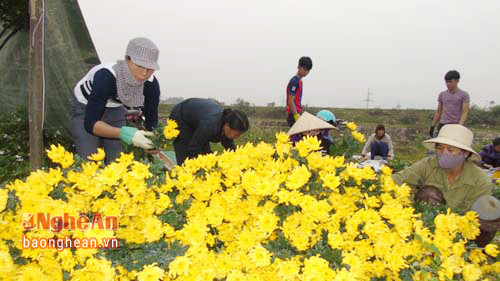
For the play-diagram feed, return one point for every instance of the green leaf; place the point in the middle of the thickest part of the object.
(281, 247)
(16, 254)
(283, 211)
(58, 193)
(173, 217)
(326, 252)
(13, 201)
(406, 274)
(418, 237)
(135, 256)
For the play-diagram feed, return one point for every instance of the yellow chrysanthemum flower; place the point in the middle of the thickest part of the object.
(95, 269)
(282, 137)
(307, 145)
(151, 272)
(98, 156)
(316, 268)
(471, 272)
(288, 270)
(298, 178)
(260, 256)
(491, 249)
(7, 265)
(386, 170)
(359, 137)
(4, 197)
(351, 126)
(58, 154)
(170, 130)
(179, 267)
(30, 271)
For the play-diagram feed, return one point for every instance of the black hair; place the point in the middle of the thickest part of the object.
(236, 119)
(452, 75)
(496, 141)
(430, 194)
(306, 62)
(380, 127)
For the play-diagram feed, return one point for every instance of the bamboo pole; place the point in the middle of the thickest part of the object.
(35, 99)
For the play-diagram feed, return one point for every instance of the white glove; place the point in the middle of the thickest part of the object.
(140, 139)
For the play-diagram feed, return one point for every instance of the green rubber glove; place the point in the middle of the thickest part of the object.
(127, 133)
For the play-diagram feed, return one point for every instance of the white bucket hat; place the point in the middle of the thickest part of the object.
(454, 135)
(308, 122)
(143, 52)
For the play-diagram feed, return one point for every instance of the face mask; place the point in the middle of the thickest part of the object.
(447, 161)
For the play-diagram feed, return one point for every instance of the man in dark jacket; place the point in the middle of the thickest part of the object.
(202, 121)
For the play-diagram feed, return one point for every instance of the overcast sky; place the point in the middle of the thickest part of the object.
(229, 49)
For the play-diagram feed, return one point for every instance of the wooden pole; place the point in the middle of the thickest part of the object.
(35, 99)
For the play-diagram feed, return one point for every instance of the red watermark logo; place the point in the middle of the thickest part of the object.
(68, 222)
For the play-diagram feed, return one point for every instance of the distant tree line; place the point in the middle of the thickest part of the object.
(486, 116)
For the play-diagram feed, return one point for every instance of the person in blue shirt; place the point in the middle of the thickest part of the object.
(102, 96)
(294, 91)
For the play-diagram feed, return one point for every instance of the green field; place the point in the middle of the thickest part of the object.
(407, 127)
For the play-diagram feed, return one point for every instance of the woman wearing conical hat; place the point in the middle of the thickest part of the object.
(310, 125)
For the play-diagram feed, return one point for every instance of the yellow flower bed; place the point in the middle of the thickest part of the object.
(262, 212)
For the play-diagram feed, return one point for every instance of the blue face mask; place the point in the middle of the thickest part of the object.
(447, 161)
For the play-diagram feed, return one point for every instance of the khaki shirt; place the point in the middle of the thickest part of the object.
(472, 183)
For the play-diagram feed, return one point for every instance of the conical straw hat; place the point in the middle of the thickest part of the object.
(308, 122)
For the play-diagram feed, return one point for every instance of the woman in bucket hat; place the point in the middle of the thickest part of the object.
(451, 169)
(102, 95)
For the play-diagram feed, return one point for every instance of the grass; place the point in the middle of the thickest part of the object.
(266, 121)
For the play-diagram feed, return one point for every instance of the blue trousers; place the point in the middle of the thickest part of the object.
(379, 148)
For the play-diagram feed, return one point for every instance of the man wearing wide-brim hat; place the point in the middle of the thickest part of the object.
(451, 169)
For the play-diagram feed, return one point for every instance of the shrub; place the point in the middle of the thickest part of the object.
(479, 116)
(14, 144)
